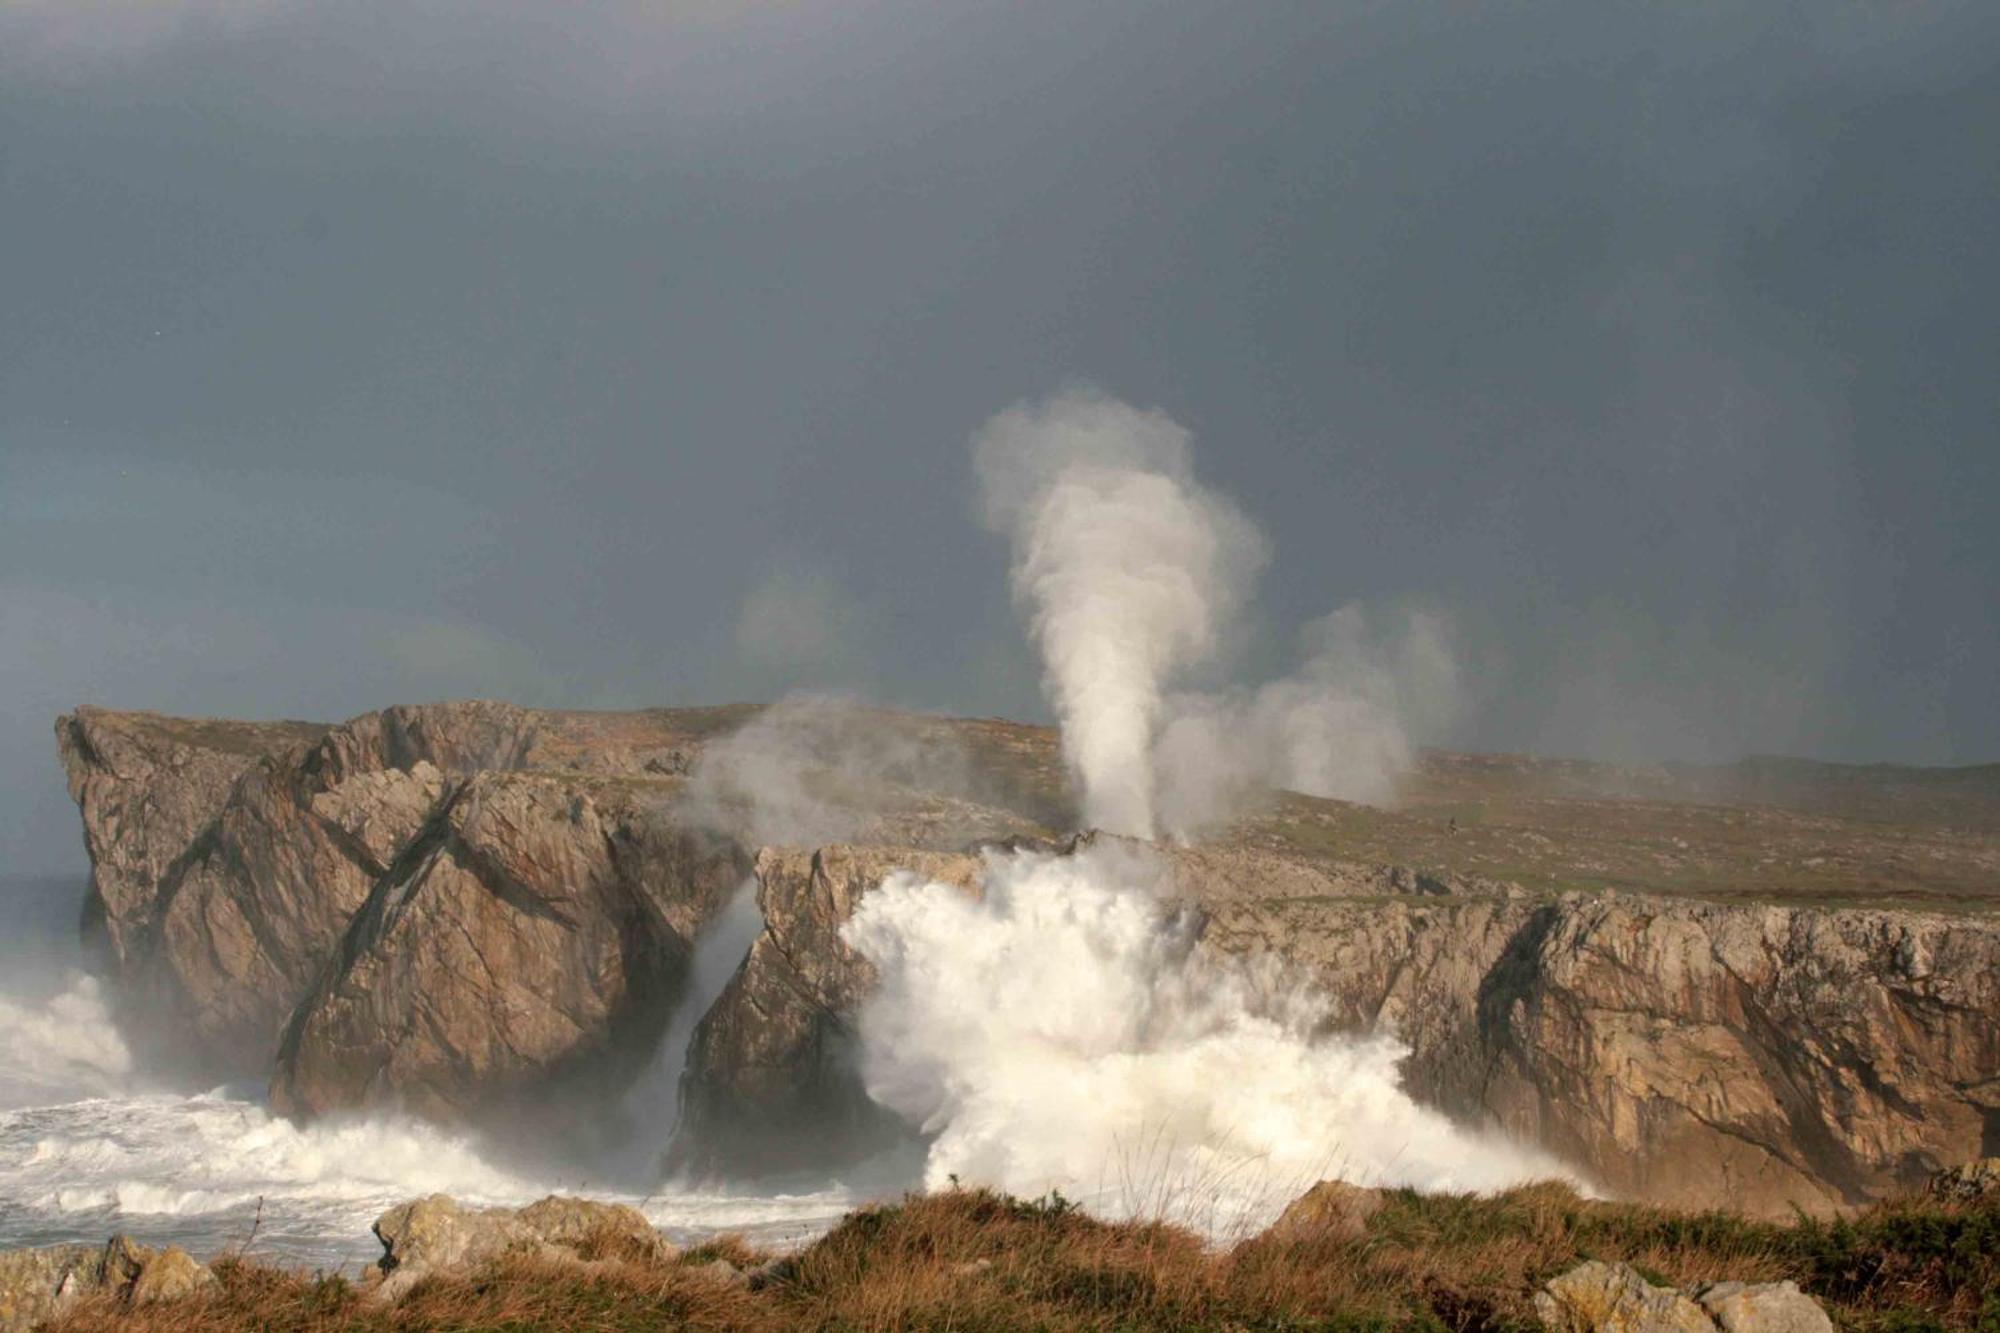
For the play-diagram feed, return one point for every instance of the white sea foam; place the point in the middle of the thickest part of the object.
(60, 1045)
(1064, 1033)
(197, 1169)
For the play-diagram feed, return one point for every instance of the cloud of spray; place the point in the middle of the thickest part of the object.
(816, 768)
(1128, 568)
(1340, 727)
(1131, 572)
(1066, 1032)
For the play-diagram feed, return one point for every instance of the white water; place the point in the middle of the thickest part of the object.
(1064, 1034)
(89, 1144)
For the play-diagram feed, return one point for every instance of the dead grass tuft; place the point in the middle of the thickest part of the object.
(975, 1260)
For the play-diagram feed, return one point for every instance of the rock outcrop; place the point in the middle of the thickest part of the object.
(1801, 1057)
(1597, 1297)
(770, 1082)
(232, 862)
(536, 927)
(438, 1234)
(37, 1285)
(456, 905)
(1331, 1210)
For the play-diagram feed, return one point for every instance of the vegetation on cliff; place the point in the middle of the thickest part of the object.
(970, 1259)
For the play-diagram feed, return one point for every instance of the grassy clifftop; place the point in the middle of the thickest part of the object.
(974, 1260)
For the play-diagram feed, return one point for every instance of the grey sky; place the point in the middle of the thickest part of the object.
(356, 353)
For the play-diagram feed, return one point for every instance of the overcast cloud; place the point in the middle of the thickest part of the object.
(355, 353)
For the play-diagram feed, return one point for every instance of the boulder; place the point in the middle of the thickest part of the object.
(437, 1234)
(594, 1230)
(770, 1083)
(1597, 1297)
(1332, 1210)
(1762, 1307)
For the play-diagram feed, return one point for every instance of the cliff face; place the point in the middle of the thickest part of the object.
(536, 927)
(770, 1083)
(231, 863)
(1680, 1052)
(461, 905)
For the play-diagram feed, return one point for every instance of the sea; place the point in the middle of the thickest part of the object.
(93, 1142)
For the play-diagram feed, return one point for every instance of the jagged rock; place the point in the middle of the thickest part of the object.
(536, 930)
(229, 858)
(596, 1230)
(1803, 1056)
(169, 1275)
(1597, 1297)
(36, 1285)
(1968, 1182)
(769, 1083)
(1762, 1307)
(1332, 1210)
(437, 1234)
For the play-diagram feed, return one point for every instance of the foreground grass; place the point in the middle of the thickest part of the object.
(972, 1260)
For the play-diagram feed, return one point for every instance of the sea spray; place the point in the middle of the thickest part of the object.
(1131, 574)
(62, 1045)
(1129, 571)
(1064, 1032)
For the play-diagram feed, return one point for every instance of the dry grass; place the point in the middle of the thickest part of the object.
(972, 1260)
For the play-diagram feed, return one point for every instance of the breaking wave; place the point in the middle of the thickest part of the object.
(1065, 1033)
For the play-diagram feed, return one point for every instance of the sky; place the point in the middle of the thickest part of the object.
(621, 354)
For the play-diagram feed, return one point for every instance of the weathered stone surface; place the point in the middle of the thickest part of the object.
(1762, 1307)
(169, 1275)
(595, 1230)
(1800, 1056)
(537, 928)
(770, 1083)
(1332, 1210)
(1597, 1297)
(229, 859)
(1968, 1182)
(37, 1285)
(437, 1234)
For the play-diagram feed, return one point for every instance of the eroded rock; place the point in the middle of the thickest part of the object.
(439, 1235)
(1762, 1307)
(1597, 1297)
(1332, 1210)
(39, 1284)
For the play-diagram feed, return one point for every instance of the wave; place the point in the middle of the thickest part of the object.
(1066, 1033)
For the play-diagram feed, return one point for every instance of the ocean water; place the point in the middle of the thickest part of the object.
(91, 1142)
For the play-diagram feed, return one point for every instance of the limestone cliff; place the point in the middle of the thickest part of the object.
(1681, 1052)
(452, 905)
(230, 859)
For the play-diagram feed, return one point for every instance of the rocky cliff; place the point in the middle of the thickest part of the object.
(1682, 1052)
(458, 906)
(232, 863)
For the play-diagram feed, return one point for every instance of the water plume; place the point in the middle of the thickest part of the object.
(1128, 568)
(1131, 573)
